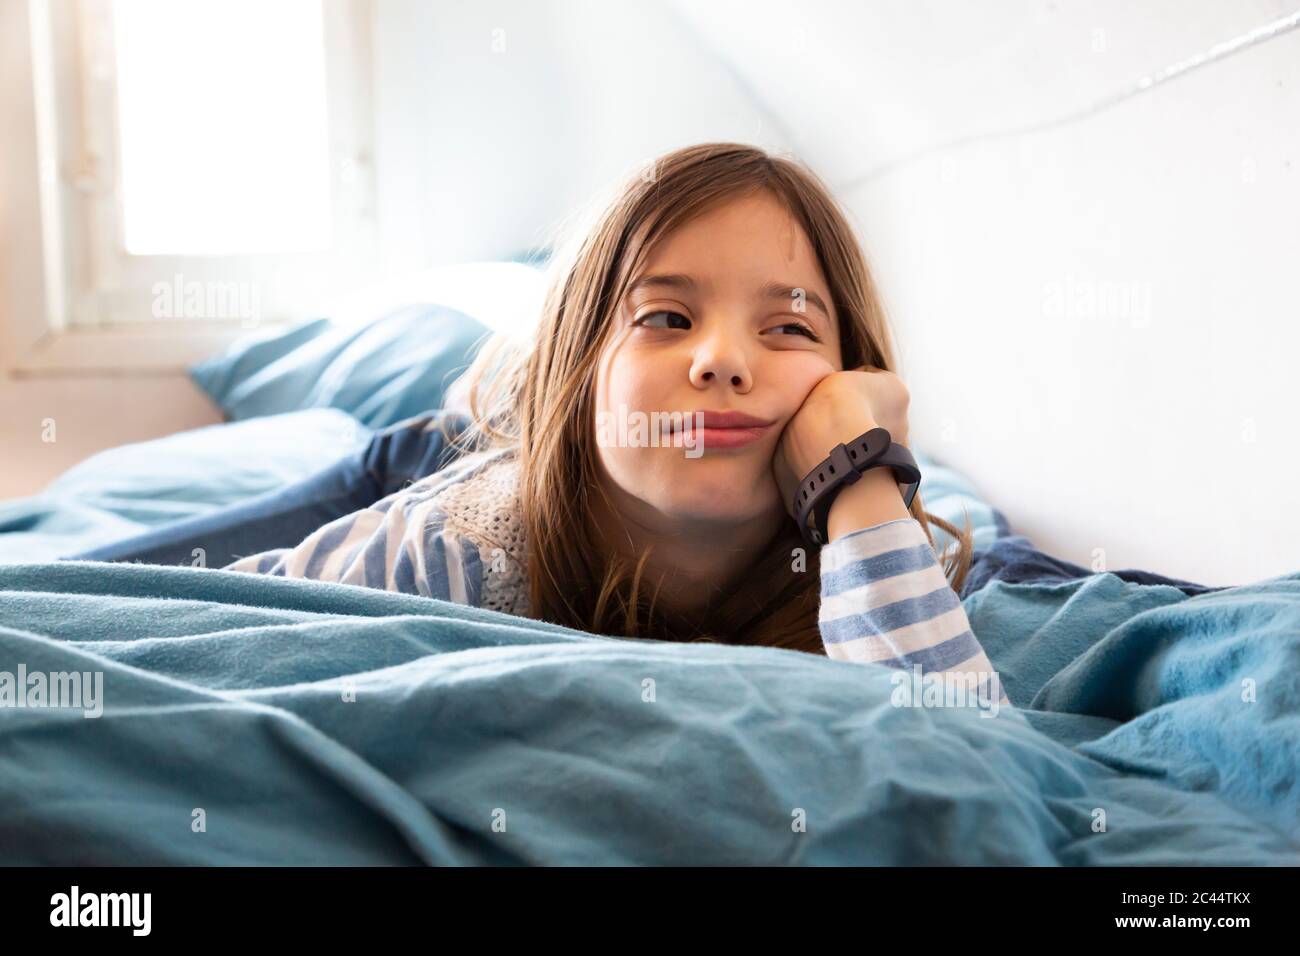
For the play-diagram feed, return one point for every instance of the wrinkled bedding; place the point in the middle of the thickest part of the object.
(254, 720)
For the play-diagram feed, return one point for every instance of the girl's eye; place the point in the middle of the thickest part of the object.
(803, 330)
(645, 319)
(667, 315)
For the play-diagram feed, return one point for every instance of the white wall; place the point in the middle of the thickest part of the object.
(1159, 432)
(90, 414)
(495, 120)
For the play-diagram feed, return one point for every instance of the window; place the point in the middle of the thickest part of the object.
(221, 123)
(204, 162)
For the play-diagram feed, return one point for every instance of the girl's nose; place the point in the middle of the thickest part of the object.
(720, 360)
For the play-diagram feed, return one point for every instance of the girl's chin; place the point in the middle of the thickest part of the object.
(719, 487)
(741, 458)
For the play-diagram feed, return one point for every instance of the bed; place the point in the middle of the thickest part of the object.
(252, 720)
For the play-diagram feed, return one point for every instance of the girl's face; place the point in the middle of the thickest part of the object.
(719, 320)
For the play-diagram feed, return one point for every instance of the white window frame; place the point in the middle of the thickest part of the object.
(73, 299)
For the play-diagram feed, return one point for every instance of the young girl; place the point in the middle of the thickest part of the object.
(723, 281)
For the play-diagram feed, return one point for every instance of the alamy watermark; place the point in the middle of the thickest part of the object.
(235, 299)
(958, 688)
(76, 908)
(639, 429)
(1099, 300)
(71, 690)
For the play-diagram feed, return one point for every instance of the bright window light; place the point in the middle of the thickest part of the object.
(222, 125)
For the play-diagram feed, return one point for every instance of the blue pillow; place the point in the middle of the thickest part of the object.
(381, 373)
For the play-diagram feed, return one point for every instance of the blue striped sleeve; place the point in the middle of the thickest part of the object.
(397, 544)
(268, 562)
(885, 600)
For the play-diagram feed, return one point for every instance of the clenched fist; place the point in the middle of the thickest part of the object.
(840, 407)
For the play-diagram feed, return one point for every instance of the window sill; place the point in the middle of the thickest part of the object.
(162, 347)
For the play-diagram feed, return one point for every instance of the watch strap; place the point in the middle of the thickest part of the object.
(842, 467)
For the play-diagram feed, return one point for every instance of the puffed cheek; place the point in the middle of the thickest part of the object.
(804, 373)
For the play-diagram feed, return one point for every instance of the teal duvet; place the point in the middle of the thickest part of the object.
(252, 720)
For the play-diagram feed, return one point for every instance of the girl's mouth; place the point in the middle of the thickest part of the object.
(726, 437)
(715, 436)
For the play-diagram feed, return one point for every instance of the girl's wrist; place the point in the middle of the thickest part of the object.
(871, 500)
(814, 448)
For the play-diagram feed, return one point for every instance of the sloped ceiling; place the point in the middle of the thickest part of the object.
(857, 86)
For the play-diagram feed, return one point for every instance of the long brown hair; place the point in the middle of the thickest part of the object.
(538, 399)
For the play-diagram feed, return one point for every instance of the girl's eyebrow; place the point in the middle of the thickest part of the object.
(672, 280)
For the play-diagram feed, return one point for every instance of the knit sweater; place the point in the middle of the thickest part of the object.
(457, 536)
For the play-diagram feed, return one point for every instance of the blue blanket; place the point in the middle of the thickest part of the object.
(133, 489)
(255, 720)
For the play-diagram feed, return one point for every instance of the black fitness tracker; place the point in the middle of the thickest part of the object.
(841, 468)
